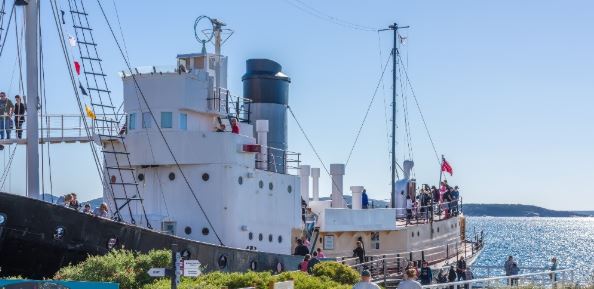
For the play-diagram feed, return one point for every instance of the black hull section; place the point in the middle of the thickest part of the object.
(29, 248)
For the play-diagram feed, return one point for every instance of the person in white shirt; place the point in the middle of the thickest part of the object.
(365, 282)
(410, 282)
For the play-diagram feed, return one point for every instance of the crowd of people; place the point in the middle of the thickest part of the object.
(71, 201)
(12, 115)
(431, 201)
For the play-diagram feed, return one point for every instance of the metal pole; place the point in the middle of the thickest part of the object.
(394, 65)
(31, 45)
(174, 266)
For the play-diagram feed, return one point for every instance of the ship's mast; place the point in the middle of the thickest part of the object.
(395, 56)
(31, 52)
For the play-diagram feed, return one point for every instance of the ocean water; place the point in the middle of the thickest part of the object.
(534, 241)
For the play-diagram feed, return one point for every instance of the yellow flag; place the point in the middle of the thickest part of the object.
(90, 112)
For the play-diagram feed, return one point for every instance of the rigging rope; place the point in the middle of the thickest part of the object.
(379, 45)
(331, 19)
(421, 113)
(367, 112)
(7, 167)
(157, 124)
(7, 29)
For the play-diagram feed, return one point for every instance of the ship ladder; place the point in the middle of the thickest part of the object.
(108, 128)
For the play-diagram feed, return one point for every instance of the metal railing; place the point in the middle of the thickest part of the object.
(434, 212)
(383, 268)
(279, 160)
(222, 101)
(541, 279)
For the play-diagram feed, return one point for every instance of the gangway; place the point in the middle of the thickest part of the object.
(60, 128)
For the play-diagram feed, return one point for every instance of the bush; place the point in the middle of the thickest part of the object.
(260, 280)
(119, 266)
(336, 272)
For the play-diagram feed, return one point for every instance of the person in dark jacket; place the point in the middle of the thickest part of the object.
(461, 269)
(19, 116)
(312, 262)
(364, 200)
(359, 252)
(301, 250)
(452, 276)
(426, 276)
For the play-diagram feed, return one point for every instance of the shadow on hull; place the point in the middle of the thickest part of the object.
(38, 238)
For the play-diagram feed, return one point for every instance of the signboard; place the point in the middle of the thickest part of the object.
(329, 242)
(191, 268)
(156, 272)
(56, 284)
(284, 285)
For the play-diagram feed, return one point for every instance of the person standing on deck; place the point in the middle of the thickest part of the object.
(364, 200)
(426, 276)
(452, 276)
(19, 116)
(461, 269)
(234, 126)
(300, 250)
(6, 109)
(409, 209)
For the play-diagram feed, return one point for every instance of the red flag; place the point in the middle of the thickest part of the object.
(445, 167)
(77, 67)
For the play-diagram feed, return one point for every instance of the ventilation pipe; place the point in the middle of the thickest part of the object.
(407, 166)
(304, 172)
(315, 179)
(357, 201)
(337, 173)
(262, 131)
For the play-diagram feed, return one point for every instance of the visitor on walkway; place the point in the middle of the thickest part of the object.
(452, 276)
(442, 277)
(410, 281)
(426, 276)
(301, 250)
(304, 263)
(508, 267)
(19, 116)
(6, 110)
(364, 200)
(359, 252)
(469, 276)
(515, 270)
(312, 262)
(554, 276)
(413, 265)
(320, 253)
(461, 269)
(365, 282)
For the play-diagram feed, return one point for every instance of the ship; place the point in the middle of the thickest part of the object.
(189, 163)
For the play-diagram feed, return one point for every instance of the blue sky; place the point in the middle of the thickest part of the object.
(505, 86)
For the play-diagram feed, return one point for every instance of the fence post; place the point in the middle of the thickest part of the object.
(447, 251)
(423, 256)
(398, 262)
(410, 256)
(465, 250)
(384, 267)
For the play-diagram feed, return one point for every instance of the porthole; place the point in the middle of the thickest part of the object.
(111, 243)
(412, 235)
(222, 262)
(250, 235)
(280, 239)
(279, 267)
(240, 180)
(141, 177)
(260, 237)
(289, 189)
(261, 184)
(171, 176)
(253, 265)
(188, 230)
(113, 179)
(438, 229)
(270, 186)
(59, 233)
(205, 231)
(205, 177)
(270, 238)
(418, 234)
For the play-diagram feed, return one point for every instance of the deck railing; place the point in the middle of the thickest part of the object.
(542, 279)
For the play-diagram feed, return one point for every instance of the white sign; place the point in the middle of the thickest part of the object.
(191, 268)
(156, 272)
(328, 242)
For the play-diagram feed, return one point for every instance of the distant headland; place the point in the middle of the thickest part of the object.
(517, 210)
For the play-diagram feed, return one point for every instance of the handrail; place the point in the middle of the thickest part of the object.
(507, 278)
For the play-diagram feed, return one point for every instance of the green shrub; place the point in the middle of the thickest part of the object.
(337, 272)
(120, 266)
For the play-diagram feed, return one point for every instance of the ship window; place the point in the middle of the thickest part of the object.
(270, 186)
(141, 177)
(147, 120)
(412, 235)
(132, 121)
(270, 238)
(375, 240)
(205, 231)
(222, 262)
(183, 121)
(280, 239)
(289, 189)
(260, 237)
(240, 180)
(59, 233)
(205, 177)
(168, 227)
(438, 229)
(166, 119)
(171, 176)
(250, 235)
(253, 265)
(113, 179)
(188, 230)
(261, 184)
(418, 234)
(111, 243)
